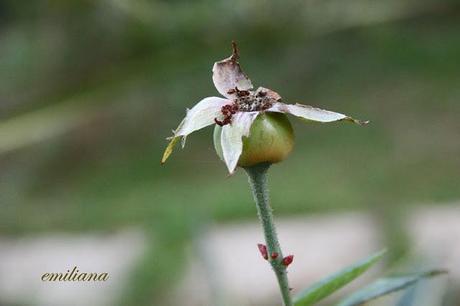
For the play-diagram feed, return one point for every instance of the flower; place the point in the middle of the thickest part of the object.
(237, 112)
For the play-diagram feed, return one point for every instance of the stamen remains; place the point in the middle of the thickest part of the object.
(228, 111)
(245, 101)
(250, 101)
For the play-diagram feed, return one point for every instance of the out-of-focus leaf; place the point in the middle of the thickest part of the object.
(385, 286)
(409, 297)
(334, 282)
(43, 124)
(424, 293)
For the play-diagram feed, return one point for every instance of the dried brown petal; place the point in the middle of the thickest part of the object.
(265, 92)
(228, 76)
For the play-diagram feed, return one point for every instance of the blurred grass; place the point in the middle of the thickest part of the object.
(127, 71)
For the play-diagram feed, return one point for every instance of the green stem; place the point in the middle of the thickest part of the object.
(258, 180)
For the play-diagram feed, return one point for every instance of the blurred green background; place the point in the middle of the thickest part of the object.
(89, 90)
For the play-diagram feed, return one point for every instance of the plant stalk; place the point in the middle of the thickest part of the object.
(258, 181)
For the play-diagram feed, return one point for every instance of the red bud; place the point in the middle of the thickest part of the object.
(274, 255)
(288, 260)
(263, 250)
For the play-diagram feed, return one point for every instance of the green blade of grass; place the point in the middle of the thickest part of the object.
(334, 282)
(386, 286)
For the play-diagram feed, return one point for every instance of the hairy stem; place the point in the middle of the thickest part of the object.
(258, 180)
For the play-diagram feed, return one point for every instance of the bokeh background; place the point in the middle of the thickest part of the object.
(89, 90)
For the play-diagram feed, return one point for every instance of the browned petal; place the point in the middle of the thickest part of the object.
(262, 91)
(227, 75)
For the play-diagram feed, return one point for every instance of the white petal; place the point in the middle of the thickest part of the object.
(201, 115)
(232, 137)
(227, 74)
(311, 113)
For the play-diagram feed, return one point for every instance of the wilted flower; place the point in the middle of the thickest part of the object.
(251, 127)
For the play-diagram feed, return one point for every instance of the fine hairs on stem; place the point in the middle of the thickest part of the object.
(258, 181)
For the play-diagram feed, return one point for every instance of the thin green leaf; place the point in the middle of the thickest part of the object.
(385, 286)
(409, 297)
(334, 282)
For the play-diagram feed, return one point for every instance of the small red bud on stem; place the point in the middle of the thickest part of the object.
(263, 250)
(274, 255)
(288, 260)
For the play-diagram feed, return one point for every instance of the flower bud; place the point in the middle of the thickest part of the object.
(263, 250)
(288, 260)
(270, 140)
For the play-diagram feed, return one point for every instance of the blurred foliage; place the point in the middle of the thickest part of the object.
(90, 89)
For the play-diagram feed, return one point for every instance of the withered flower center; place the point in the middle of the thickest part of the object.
(251, 101)
(245, 101)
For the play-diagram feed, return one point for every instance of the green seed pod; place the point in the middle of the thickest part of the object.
(271, 139)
